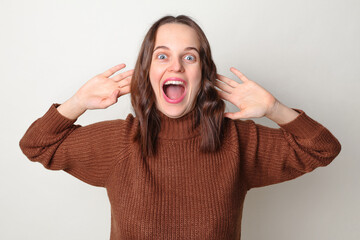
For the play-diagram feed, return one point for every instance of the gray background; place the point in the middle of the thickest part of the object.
(304, 52)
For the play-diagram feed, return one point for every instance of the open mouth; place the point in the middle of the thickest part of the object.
(174, 90)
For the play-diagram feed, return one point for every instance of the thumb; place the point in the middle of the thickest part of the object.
(111, 99)
(237, 115)
(115, 95)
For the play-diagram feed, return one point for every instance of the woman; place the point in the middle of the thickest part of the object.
(181, 168)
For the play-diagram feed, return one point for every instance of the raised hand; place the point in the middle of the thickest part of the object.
(99, 92)
(103, 90)
(252, 100)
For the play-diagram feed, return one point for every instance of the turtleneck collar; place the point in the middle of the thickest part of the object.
(178, 128)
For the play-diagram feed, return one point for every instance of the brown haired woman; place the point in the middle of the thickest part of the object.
(179, 169)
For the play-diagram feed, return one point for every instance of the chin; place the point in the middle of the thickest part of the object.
(175, 111)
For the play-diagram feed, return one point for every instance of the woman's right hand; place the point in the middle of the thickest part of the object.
(99, 92)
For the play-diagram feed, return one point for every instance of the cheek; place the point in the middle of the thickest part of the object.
(155, 75)
(153, 79)
(197, 80)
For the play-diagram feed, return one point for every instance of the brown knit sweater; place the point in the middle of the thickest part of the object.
(181, 193)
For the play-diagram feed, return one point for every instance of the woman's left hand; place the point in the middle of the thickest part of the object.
(252, 100)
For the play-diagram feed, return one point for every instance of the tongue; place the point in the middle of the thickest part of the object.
(174, 91)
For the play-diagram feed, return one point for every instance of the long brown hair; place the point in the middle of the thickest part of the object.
(209, 107)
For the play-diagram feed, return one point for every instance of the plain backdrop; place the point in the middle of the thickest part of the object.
(306, 53)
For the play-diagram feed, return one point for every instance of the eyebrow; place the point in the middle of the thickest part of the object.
(186, 49)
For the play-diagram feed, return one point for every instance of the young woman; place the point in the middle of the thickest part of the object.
(179, 169)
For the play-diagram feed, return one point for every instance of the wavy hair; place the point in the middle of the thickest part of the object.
(209, 107)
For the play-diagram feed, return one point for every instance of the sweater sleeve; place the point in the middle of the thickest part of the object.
(270, 156)
(88, 153)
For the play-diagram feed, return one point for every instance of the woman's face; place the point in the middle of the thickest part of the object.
(175, 71)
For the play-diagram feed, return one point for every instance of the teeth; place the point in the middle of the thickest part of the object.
(174, 83)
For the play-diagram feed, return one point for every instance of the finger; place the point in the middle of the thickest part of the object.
(239, 74)
(226, 80)
(123, 75)
(223, 86)
(124, 82)
(124, 90)
(113, 70)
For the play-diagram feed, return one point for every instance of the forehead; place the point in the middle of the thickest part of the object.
(176, 35)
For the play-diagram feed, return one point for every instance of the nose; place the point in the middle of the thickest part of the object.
(176, 66)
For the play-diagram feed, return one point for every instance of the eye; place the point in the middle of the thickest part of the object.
(190, 57)
(161, 56)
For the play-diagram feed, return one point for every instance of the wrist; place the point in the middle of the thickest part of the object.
(72, 108)
(77, 104)
(281, 114)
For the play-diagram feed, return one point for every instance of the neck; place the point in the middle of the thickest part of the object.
(183, 127)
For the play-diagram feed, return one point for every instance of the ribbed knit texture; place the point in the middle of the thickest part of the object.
(181, 193)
